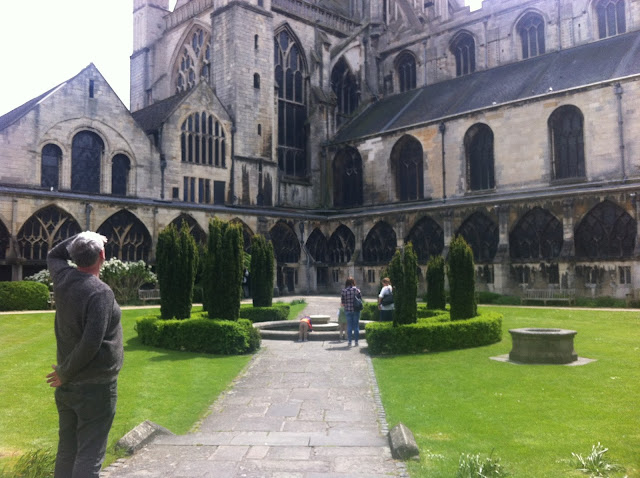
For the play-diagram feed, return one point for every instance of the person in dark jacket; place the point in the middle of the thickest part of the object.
(349, 292)
(89, 355)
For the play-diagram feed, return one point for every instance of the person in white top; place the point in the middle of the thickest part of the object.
(385, 301)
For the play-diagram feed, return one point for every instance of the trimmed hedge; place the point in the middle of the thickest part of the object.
(225, 337)
(264, 314)
(23, 295)
(433, 335)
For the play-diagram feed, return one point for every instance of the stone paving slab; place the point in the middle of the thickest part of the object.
(300, 410)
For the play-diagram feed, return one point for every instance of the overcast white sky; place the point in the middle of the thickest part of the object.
(45, 42)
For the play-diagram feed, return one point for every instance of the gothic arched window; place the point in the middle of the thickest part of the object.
(286, 245)
(194, 64)
(341, 245)
(345, 87)
(537, 235)
(50, 166)
(566, 131)
(317, 246)
(611, 19)
(531, 31)
(606, 232)
(43, 230)
(120, 168)
(478, 144)
(407, 161)
(128, 238)
(347, 178)
(5, 240)
(481, 233)
(427, 238)
(463, 48)
(202, 140)
(290, 72)
(406, 66)
(194, 228)
(86, 158)
(380, 244)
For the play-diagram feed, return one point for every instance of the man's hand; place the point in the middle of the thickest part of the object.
(52, 379)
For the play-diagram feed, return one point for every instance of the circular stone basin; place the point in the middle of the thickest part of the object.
(537, 345)
(288, 330)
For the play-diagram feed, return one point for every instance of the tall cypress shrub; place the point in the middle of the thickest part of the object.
(230, 289)
(261, 271)
(212, 275)
(462, 284)
(176, 261)
(436, 295)
(186, 271)
(403, 273)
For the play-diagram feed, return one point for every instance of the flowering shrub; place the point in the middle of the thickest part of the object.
(43, 277)
(125, 278)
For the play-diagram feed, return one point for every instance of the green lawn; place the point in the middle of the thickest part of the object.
(530, 416)
(173, 389)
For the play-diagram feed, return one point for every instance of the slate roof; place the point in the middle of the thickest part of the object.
(594, 62)
(152, 117)
(15, 114)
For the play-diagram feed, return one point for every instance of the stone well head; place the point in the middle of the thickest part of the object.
(542, 346)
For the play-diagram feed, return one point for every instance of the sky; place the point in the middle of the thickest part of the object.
(45, 42)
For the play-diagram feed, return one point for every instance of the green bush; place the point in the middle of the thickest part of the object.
(198, 334)
(265, 314)
(402, 271)
(423, 313)
(436, 297)
(437, 333)
(23, 295)
(43, 276)
(126, 278)
(370, 311)
(486, 297)
(508, 300)
(462, 280)
(262, 260)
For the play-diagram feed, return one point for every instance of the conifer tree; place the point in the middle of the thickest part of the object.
(461, 274)
(213, 274)
(402, 271)
(436, 295)
(261, 271)
(230, 289)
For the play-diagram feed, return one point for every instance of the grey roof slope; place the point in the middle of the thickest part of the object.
(15, 114)
(152, 117)
(603, 60)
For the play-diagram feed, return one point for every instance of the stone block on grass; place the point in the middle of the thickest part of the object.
(403, 444)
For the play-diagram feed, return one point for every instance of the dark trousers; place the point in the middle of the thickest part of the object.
(85, 414)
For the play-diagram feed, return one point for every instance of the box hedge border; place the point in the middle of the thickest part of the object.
(199, 334)
(435, 334)
(23, 295)
(265, 314)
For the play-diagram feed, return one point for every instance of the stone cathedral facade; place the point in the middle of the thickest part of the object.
(344, 129)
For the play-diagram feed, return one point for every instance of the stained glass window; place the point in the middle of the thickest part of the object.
(531, 30)
(611, 18)
(406, 71)
(464, 51)
(406, 157)
(478, 143)
(347, 178)
(120, 175)
(86, 158)
(345, 86)
(194, 64)
(50, 168)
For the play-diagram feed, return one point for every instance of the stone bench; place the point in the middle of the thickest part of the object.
(148, 294)
(546, 295)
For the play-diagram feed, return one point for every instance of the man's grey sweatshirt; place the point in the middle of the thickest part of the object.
(87, 324)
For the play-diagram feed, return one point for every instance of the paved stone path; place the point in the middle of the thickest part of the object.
(300, 410)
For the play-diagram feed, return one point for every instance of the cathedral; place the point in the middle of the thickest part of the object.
(342, 130)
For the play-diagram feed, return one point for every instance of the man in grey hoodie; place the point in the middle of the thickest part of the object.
(89, 354)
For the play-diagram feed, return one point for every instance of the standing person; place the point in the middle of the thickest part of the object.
(385, 301)
(353, 316)
(245, 283)
(89, 353)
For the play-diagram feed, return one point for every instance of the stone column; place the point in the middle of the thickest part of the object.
(568, 252)
(502, 260)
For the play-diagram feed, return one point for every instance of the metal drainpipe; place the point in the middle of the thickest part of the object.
(618, 91)
(443, 129)
(232, 182)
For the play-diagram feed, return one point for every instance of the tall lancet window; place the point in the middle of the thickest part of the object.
(290, 71)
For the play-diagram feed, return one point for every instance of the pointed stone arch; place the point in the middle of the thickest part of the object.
(341, 245)
(537, 235)
(128, 238)
(247, 234)
(407, 162)
(194, 228)
(317, 246)
(191, 61)
(5, 240)
(348, 179)
(427, 238)
(481, 233)
(606, 232)
(286, 245)
(43, 230)
(345, 86)
(380, 244)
